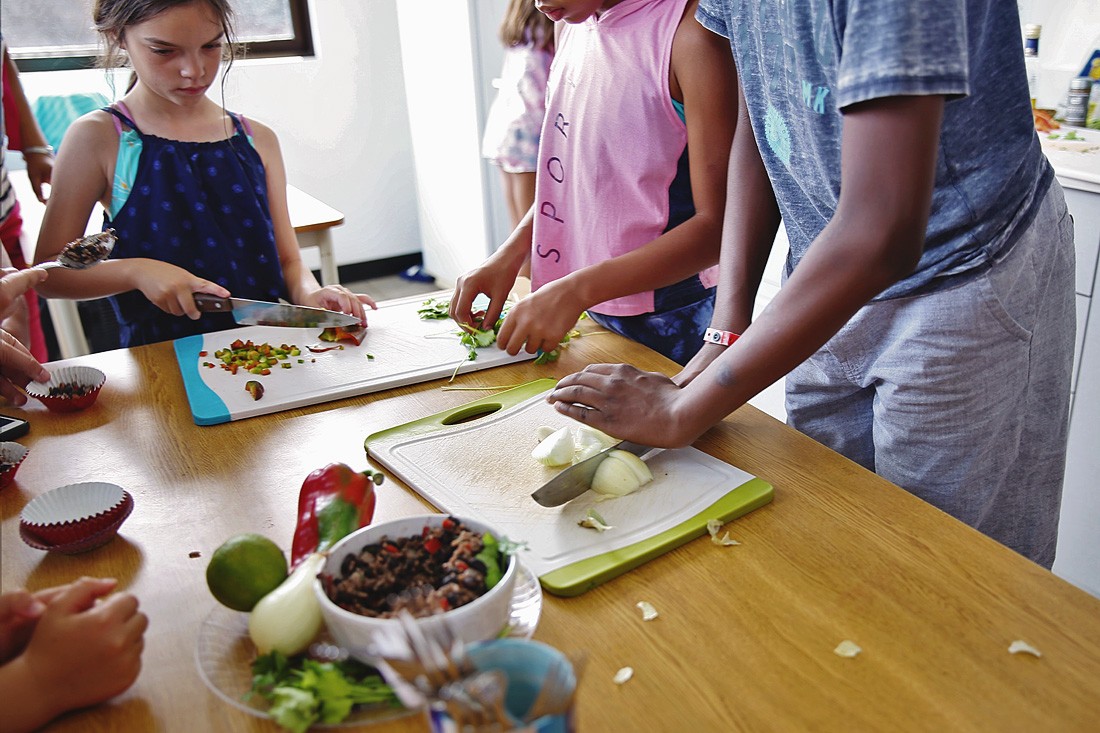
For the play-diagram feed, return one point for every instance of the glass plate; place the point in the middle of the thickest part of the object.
(224, 653)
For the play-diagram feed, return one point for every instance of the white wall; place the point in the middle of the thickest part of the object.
(461, 215)
(342, 119)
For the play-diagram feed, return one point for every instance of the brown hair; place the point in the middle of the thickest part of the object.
(524, 24)
(113, 17)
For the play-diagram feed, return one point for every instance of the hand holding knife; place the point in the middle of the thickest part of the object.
(262, 313)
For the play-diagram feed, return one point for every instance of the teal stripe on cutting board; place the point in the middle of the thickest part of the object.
(206, 407)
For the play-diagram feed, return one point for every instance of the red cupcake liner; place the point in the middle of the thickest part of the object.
(73, 513)
(84, 544)
(84, 376)
(12, 455)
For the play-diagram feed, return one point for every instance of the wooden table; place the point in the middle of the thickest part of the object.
(312, 219)
(745, 636)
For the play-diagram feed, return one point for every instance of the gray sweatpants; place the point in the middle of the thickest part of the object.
(961, 396)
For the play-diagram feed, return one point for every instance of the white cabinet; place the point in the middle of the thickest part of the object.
(1078, 559)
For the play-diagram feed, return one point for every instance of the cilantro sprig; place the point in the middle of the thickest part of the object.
(303, 691)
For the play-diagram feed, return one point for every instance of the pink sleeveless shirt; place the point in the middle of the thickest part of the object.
(609, 146)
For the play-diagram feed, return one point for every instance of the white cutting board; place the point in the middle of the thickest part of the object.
(482, 468)
(404, 350)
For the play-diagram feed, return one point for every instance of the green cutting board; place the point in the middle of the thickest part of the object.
(474, 460)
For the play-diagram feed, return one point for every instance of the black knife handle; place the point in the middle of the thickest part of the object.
(212, 304)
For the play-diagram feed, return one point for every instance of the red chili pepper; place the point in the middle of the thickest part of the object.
(432, 545)
(334, 501)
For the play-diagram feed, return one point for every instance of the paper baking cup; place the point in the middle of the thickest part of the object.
(11, 456)
(84, 376)
(75, 512)
(89, 542)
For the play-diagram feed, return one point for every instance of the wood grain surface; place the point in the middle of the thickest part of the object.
(745, 636)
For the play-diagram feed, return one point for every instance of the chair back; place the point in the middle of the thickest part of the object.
(56, 112)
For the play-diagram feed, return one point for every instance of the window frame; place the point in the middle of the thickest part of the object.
(301, 44)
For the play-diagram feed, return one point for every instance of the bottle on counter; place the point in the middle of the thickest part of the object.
(1092, 117)
(1031, 59)
(1077, 101)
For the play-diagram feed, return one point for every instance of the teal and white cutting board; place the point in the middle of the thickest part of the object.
(399, 349)
(475, 461)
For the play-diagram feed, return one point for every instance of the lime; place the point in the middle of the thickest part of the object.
(245, 569)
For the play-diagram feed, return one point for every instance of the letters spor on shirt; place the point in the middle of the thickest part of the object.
(555, 168)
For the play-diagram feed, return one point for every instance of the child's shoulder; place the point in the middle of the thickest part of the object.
(257, 129)
(93, 127)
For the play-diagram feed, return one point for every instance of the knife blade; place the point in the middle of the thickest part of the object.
(577, 479)
(262, 313)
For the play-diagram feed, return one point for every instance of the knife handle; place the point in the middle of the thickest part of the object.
(208, 303)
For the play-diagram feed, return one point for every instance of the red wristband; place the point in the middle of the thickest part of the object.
(716, 336)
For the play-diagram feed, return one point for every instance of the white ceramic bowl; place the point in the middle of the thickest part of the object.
(363, 636)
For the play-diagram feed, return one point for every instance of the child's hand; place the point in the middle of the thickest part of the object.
(17, 368)
(339, 298)
(83, 651)
(540, 320)
(171, 288)
(19, 613)
(489, 279)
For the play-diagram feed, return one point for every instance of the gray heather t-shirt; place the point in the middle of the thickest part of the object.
(801, 62)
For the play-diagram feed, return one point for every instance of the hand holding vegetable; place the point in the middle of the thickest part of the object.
(542, 320)
(624, 401)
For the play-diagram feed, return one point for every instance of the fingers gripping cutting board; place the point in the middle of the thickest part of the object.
(399, 349)
(476, 461)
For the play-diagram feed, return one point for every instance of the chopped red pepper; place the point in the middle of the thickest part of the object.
(340, 333)
(432, 545)
(334, 501)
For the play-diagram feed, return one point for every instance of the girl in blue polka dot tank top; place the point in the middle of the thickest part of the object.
(196, 195)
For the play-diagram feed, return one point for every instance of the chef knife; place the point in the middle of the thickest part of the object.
(577, 479)
(261, 313)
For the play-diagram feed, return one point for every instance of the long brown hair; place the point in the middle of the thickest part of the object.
(524, 24)
(113, 17)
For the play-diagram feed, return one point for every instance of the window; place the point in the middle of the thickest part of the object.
(44, 35)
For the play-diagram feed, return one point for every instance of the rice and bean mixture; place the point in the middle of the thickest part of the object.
(428, 573)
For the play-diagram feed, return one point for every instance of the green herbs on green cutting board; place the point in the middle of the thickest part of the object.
(304, 691)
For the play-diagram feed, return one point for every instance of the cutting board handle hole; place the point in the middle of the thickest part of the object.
(471, 413)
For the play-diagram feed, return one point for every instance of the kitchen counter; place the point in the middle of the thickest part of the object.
(745, 636)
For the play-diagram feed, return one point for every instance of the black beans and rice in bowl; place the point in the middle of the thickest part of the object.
(439, 569)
